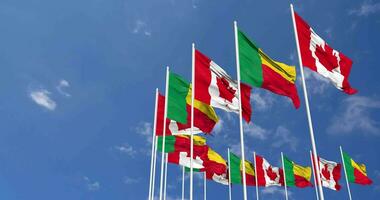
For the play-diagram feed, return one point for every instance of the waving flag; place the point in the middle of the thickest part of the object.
(215, 87)
(267, 175)
(356, 173)
(259, 70)
(318, 56)
(296, 175)
(236, 170)
(330, 173)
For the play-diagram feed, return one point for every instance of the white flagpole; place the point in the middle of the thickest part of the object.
(229, 175)
(345, 173)
(166, 175)
(183, 182)
(204, 187)
(240, 110)
(192, 119)
(164, 132)
(315, 180)
(283, 168)
(257, 184)
(153, 145)
(154, 166)
(314, 148)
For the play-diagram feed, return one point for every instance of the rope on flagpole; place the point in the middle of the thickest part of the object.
(284, 170)
(315, 179)
(153, 147)
(229, 175)
(314, 148)
(166, 175)
(257, 183)
(192, 119)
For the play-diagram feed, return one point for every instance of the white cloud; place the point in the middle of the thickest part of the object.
(316, 84)
(255, 131)
(145, 129)
(41, 97)
(126, 149)
(275, 190)
(262, 100)
(365, 9)
(130, 180)
(218, 127)
(91, 185)
(60, 87)
(356, 115)
(141, 27)
(283, 137)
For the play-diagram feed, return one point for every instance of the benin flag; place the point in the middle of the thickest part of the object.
(181, 143)
(236, 169)
(296, 175)
(259, 70)
(356, 173)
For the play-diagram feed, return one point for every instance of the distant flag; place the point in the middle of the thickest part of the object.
(267, 175)
(179, 110)
(178, 149)
(236, 168)
(318, 56)
(356, 173)
(330, 173)
(296, 175)
(215, 87)
(259, 70)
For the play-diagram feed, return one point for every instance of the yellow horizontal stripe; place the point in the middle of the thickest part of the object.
(360, 167)
(204, 108)
(286, 71)
(198, 140)
(249, 168)
(213, 156)
(302, 171)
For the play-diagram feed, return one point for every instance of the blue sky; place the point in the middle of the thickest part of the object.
(78, 80)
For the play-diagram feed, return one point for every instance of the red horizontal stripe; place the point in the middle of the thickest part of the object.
(361, 178)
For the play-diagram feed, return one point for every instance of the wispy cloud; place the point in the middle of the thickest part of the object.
(42, 98)
(355, 114)
(255, 131)
(145, 129)
(61, 86)
(130, 180)
(218, 127)
(262, 100)
(283, 137)
(275, 190)
(91, 185)
(140, 27)
(315, 82)
(365, 9)
(126, 149)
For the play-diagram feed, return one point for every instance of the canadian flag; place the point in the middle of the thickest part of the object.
(215, 87)
(318, 56)
(267, 175)
(330, 173)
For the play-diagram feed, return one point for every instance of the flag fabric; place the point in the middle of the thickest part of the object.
(330, 173)
(178, 91)
(215, 87)
(205, 117)
(296, 175)
(236, 169)
(259, 70)
(318, 56)
(356, 173)
(267, 175)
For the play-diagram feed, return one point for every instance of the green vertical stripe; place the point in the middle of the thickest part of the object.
(251, 71)
(288, 165)
(178, 90)
(349, 169)
(235, 169)
(169, 143)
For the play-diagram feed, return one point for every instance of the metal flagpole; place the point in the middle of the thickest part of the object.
(153, 145)
(192, 119)
(314, 148)
(345, 173)
(257, 184)
(164, 132)
(315, 180)
(166, 175)
(283, 168)
(204, 187)
(240, 110)
(183, 182)
(154, 166)
(229, 175)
